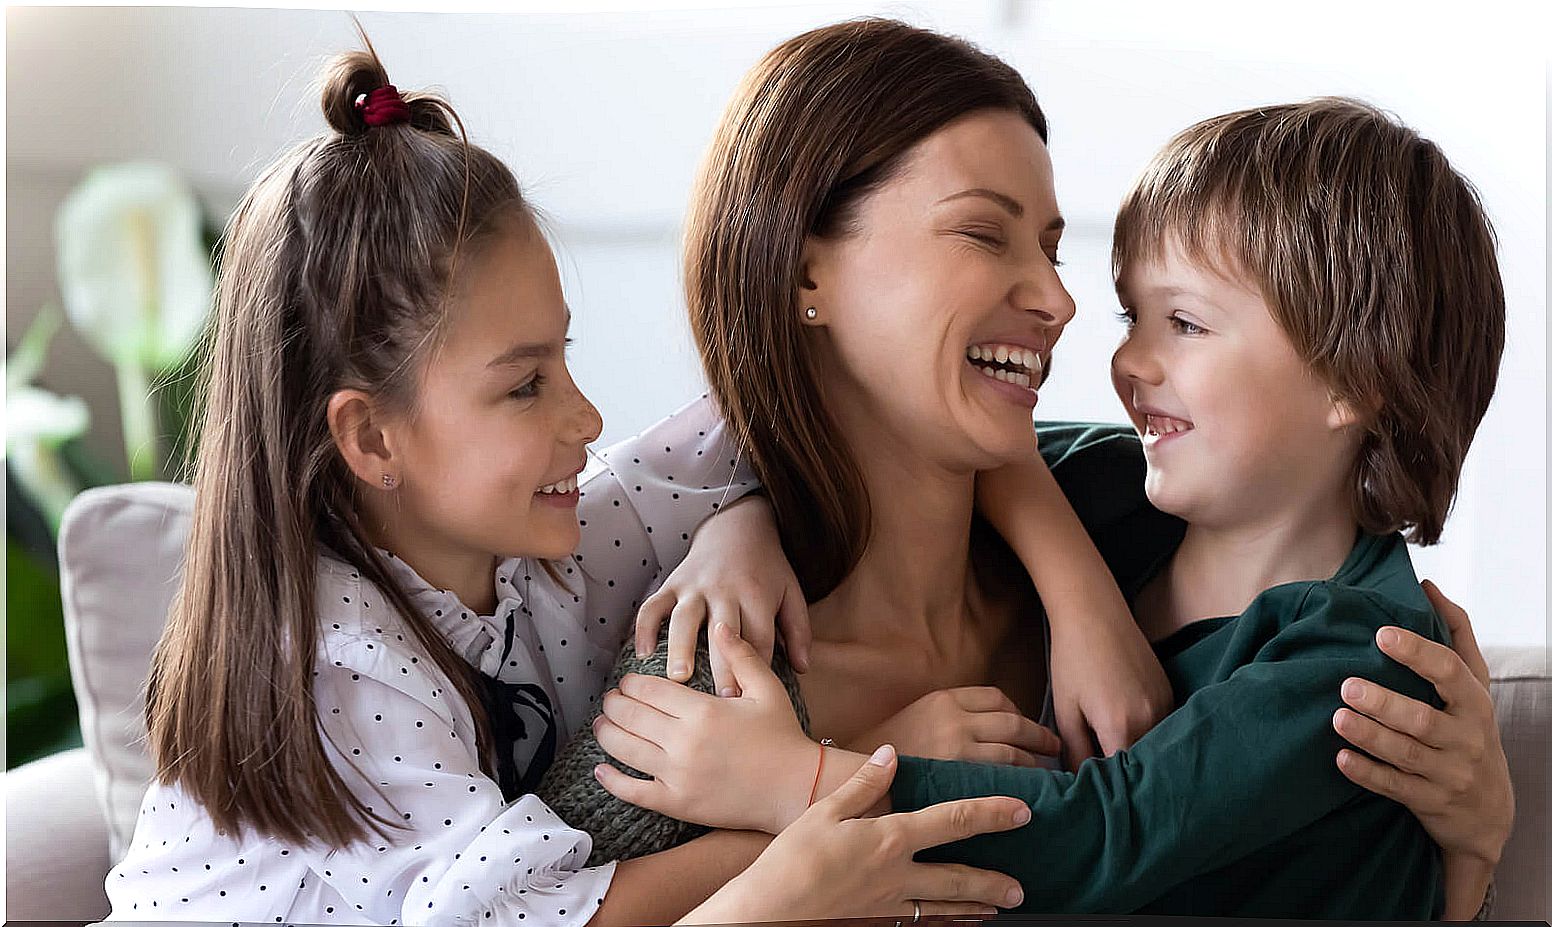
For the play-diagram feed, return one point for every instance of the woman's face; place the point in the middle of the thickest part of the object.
(939, 311)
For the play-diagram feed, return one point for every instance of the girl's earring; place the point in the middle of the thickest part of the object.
(390, 481)
(811, 313)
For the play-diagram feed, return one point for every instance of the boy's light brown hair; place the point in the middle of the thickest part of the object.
(1372, 253)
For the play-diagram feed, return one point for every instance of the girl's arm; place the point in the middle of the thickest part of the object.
(1108, 686)
(658, 888)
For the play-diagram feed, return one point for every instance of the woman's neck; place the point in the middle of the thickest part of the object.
(1219, 570)
(914, 577)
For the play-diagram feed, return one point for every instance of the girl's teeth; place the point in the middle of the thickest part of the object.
(564, 486)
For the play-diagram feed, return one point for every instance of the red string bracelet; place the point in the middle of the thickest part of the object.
(382, 107)
(813, 792)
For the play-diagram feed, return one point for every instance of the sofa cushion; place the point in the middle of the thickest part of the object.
(1522, 700)
(120, 557)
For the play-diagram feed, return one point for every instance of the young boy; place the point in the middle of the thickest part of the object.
(1314, 323)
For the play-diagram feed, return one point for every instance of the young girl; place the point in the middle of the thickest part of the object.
(381, 637)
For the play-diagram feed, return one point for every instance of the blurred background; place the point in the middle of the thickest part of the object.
(131, 133)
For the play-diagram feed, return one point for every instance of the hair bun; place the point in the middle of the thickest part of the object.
(349, 76)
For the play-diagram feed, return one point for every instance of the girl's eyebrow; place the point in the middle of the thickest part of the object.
(529, 350)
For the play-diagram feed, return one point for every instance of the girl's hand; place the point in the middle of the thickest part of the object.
(737, 573)
(977, 723)
(1447, 766)
(742, 763)
(832, 862)
(1109, 688)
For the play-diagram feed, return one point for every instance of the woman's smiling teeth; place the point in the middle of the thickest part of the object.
(569, 484)
(1007, 362)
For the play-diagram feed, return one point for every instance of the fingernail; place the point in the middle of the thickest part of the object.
(640, 653)
(726, 630)
(598, 772)
(1354, 690)
(677, 670)
(1021, 816)
(1015, 897)
(882, 755)
(1389, 637)
(726, 692)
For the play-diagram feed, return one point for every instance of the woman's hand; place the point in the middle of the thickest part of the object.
(1109, 688)
(1447, 766)
(742, 763)
(977, 723)
(833, 862)
(737, 573)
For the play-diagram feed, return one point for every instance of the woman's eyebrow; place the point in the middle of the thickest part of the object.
(1014, 207)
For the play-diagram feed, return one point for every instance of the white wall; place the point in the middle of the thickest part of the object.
(604, 116)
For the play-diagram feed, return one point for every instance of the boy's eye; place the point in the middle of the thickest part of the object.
(1127, 317)
(530, 389)
(1186, 326)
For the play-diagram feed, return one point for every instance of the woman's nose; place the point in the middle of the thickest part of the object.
(1044, 297)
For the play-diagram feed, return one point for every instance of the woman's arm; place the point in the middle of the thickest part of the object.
(1448, 766)
(1108, 687)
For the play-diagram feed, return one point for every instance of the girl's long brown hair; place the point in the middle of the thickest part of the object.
(334, 273)
(820, 123)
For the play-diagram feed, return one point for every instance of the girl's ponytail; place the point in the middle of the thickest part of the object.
(334, 273)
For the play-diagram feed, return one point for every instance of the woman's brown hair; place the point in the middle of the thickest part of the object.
(334, 273)
(1374, 255)
(822, 121)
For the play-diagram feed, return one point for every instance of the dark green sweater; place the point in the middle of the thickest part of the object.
(1233, 804)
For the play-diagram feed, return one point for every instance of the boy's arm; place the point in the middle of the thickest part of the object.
(1105, 677)
(1244, 763)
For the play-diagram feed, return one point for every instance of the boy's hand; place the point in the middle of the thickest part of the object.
(737, 573)
(741, 763)
(976, 723)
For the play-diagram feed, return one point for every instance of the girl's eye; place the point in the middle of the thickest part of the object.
(1186, 327)
(1055, 262)
(530, 389)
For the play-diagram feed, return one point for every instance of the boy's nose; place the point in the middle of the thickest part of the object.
(1133, 361)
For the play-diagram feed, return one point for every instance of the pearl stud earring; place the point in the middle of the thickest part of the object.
(812, 313)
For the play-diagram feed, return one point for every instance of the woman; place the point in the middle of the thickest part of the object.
(868, 438)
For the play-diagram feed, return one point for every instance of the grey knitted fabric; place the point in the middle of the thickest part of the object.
(621, 830)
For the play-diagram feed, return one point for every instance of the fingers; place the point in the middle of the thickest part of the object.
(1400, 713)
(982, 698)
(684, 628)
(949, 909)
(1077, 744)
(1405, 753)
(671, 698)
(1438, 664)
(1011, 729)
(1415, 792)
(640, 792)
(796, 633)
(758, 628)
(862, 791)
(1461, 633)
(649, 620)
(636, 717)
(943, 823)
(723, 611)
(951, 882)
(626, 747)
(751, 675)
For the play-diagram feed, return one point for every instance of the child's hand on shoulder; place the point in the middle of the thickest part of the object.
(686, 741)
(736, 573)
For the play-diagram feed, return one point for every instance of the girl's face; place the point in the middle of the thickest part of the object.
(489, 459)
(940, 311)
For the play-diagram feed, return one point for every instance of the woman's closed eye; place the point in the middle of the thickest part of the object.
(529, 389)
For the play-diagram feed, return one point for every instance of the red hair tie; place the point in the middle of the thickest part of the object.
(383, 107)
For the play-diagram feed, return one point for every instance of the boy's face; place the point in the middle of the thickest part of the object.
(1236, 428)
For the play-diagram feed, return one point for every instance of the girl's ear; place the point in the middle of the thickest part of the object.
(359, 434)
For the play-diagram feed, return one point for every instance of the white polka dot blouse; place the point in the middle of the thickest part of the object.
(404, 742)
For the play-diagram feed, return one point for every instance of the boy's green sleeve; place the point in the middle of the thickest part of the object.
(1247, 760)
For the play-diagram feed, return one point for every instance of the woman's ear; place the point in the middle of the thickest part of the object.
(359, 433)
(813, 270)
(1347, 413)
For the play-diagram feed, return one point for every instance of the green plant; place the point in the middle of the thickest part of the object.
(135, 277)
